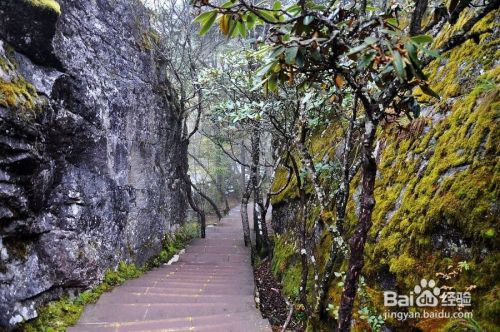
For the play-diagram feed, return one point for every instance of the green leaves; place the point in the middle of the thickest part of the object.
(413, 46)
(265, 75)
(431, 53)
(412, 53)
(262, 71)
(366, 60)
(271, 84)
(203, 17)
(267, 15)
(232, 27)
(229, 26)
(399, 65)
(277, 51)
(241, 28)
(251, 20)
(420, 43)
(228, 4)
(294, 10)
(421, 39)
(291, 54)
(392, 21)
(367, 42)
(414, 61)
(305, 50)
(206, 21)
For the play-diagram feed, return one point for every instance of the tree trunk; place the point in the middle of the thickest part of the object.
(226, 205)
(340, 208)
(456, 8)
(243, 175)
(303, 234)
(263, 225)
(203, 224)
(196, 208)
(417, 16)
(208, 199)
(218, 186)
(261, 233)
(303, 250)
(256, 225)
(358, 240)
(244, 215)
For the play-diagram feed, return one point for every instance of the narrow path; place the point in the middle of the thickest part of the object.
(210, 288)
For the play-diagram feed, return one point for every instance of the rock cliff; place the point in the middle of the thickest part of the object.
(91, 154)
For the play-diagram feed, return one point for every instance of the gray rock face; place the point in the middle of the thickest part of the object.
(90, 163)
(284, 216)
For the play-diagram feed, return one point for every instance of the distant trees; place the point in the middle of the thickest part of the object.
(176, 43)
(362, 61)
(239, 116)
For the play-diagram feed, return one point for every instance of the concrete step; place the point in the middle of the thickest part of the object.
(213, 259)
(243, 290)
(158, 311)
(198, 275)
(221, 268)
(238, 322)
(186, 282)
(131, 298)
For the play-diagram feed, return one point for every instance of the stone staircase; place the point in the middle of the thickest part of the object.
(210, 288)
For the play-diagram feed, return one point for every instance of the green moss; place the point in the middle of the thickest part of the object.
(280, 180)
(284, 250)
(489, 233)
(5, 65)
(291, 280)
(17, 94)
(402, 264)
(457, 183)
(57, 316)
(15, 91)
(322, 143)
(286, 265)
(447, 73)
(51, 5)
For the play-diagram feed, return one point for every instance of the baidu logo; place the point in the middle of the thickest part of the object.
(427, 294)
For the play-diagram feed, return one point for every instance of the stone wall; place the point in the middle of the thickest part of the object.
(91, 154)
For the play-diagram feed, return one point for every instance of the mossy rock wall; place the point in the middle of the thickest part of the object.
(437, 188)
